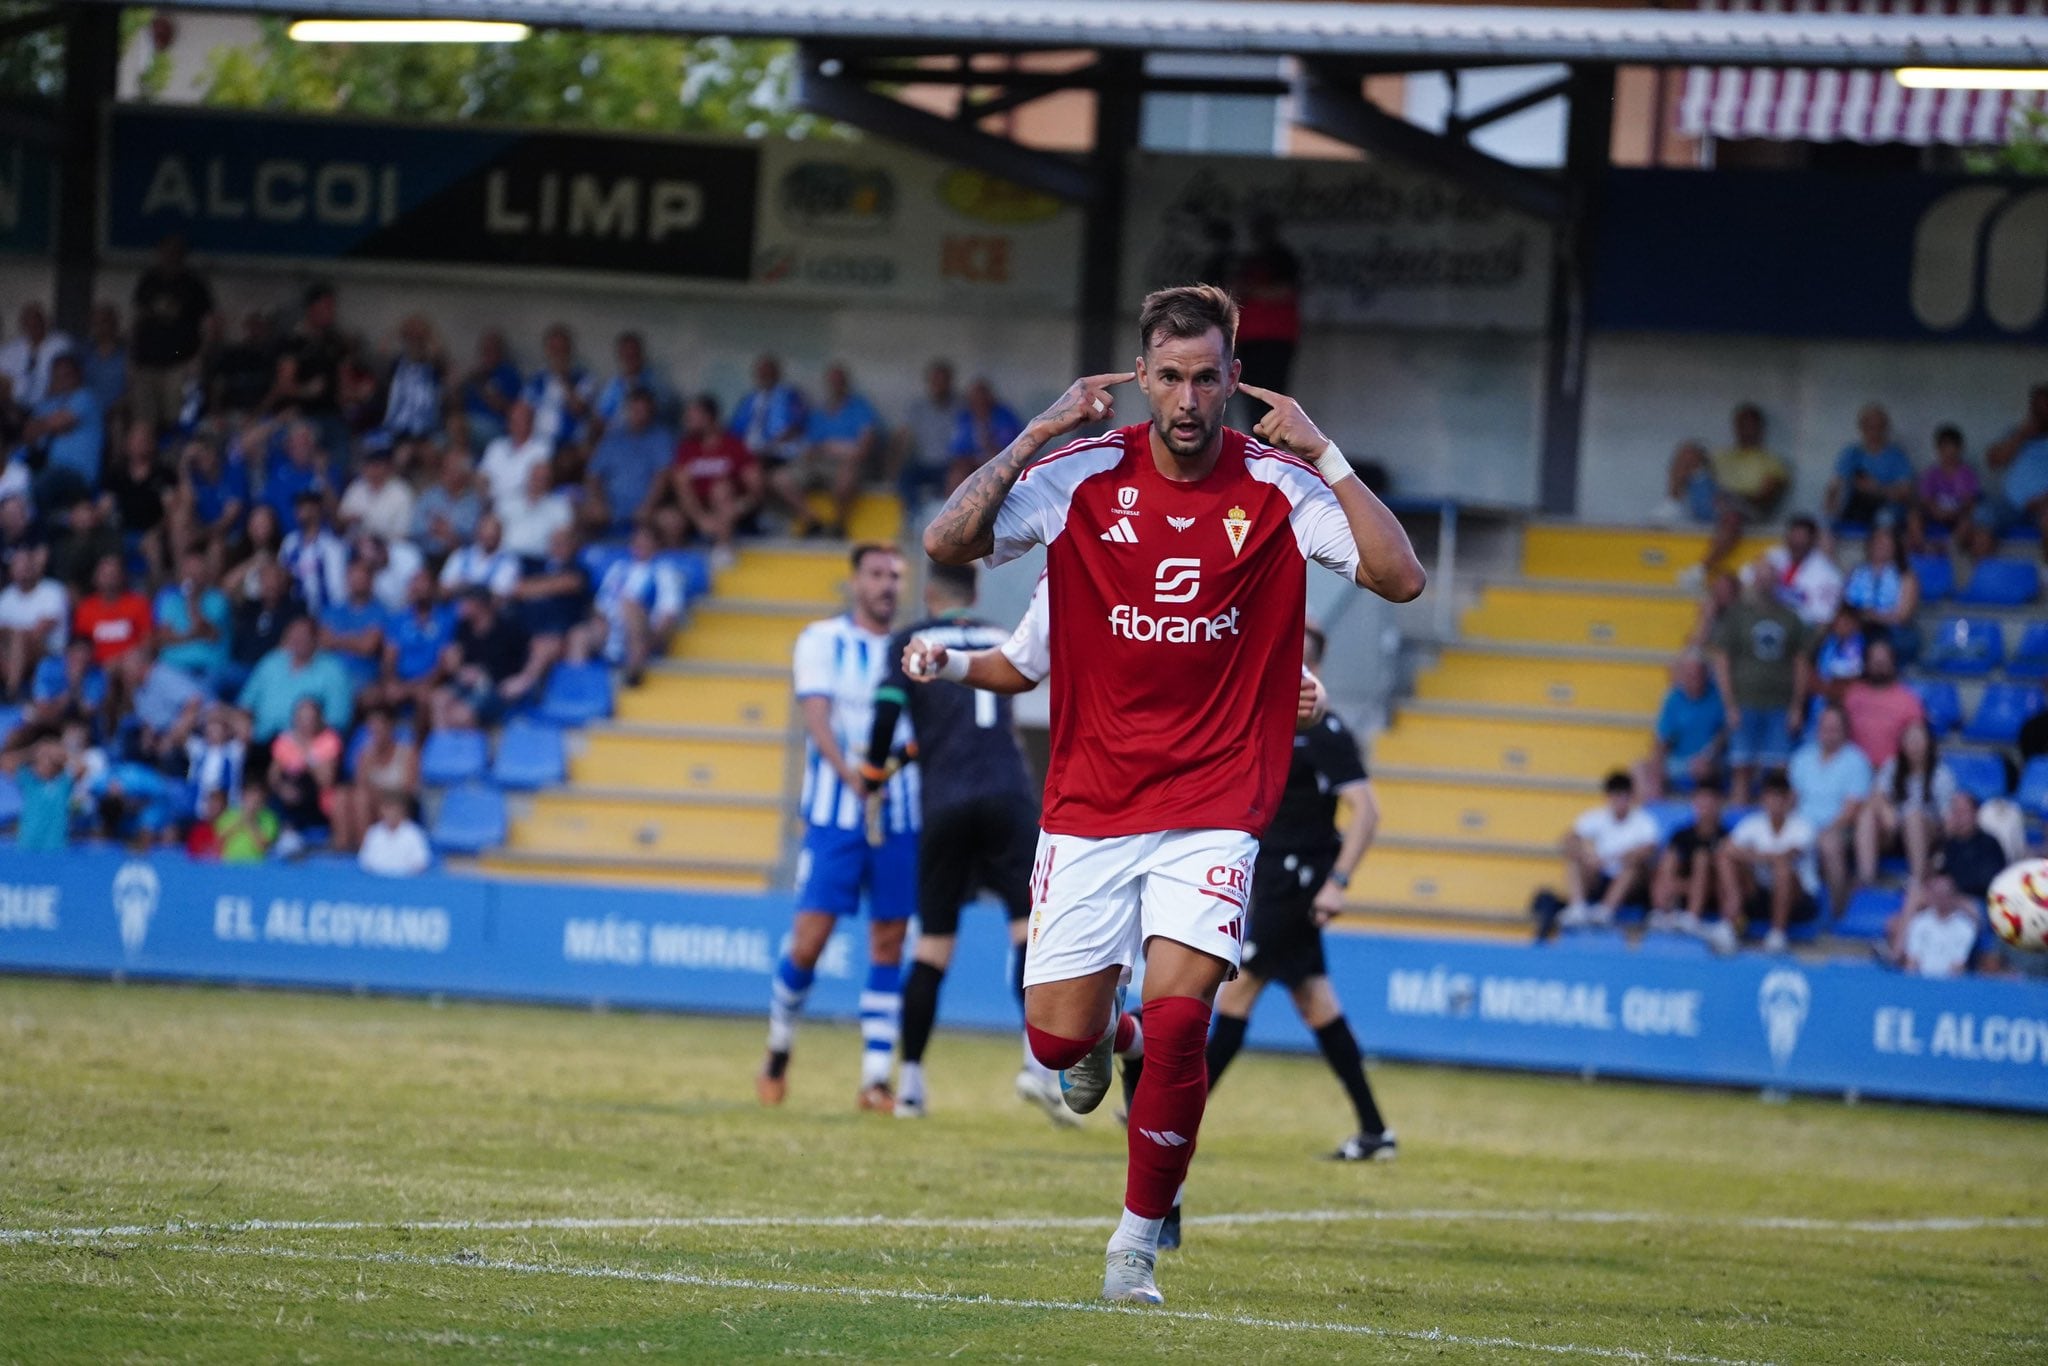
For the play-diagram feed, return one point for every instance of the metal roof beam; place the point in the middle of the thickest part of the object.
(1464, 125)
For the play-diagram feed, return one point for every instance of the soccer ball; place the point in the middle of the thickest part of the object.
(2019, 905)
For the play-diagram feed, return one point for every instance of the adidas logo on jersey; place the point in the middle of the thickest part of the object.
(1121, 533)
(1165, 1138)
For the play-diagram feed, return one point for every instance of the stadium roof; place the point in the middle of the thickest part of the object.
(1451, 34)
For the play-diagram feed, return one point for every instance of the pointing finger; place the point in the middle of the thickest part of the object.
(1105, 381)
(1262, 395)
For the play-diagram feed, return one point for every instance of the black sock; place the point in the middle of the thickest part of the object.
(1224, 1041)
(1340, 1050)
(1017, 974)
(920, 1009)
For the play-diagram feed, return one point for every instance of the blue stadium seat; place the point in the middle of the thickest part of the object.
(2029, 659)
(602, 556)
(471, 819)
(1944, 707)
(577, 694)
(1937, 576)
(1671, 817)
(2002, 583)
(10, 717)
(10, 800)
(1981, 775)
(695, 568)
(1869, 909)
(2033, 790)
(453, 756)
(529, 755)
(1971, 646)
(2001, 711)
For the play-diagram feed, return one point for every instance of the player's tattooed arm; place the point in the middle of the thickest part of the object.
(965, 529)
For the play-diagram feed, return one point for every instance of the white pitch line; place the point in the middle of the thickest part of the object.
(1250, 1218)
(585, 1271)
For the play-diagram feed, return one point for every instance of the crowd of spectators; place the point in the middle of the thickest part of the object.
(248, 571)
(1813, 768)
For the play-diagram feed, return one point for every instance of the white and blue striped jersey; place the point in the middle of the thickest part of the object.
(836, 659)
(656, 585)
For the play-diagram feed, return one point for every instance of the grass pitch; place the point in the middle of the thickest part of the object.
(503, 1183)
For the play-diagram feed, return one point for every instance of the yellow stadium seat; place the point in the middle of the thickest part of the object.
(569, 821)
(876, 516)
(813, 577)
(694, 767)
(1517, 680)
(1508, 748)
(1555, 616)
(1596, 554)
(1478, 813)
(709, 699)
(726, 635)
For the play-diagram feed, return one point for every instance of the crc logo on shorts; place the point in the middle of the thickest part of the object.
(1177, 580)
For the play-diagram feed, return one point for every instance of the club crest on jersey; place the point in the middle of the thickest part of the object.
(1237, 526)
(1126, 498)
(1180, 523)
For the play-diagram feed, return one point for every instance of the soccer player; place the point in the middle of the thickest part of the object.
(1175, 553)
(980, 819)
(839, 663)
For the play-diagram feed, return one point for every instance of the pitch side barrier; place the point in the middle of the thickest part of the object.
(1744, 1021)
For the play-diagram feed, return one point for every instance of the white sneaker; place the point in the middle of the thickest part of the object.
(910, 1107)
(1664, 922)
(1721, 935)
(1576, 916)
(1043, 1091)
(1127, 1278)
(1774, 942)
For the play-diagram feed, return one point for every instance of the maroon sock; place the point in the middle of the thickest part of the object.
(1167, 1110)
(1055, 1052)
(1126, 1034)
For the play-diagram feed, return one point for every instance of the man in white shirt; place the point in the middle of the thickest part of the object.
(535, 515)
(1607, 856)
(483, 563)
(510, 459)
(395, 846)
(1766, 870)
(25, 361)
(378, 502)
(1804, 575)
(35, 613)
(1940, 938)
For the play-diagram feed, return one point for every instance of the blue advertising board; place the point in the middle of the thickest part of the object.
(1768, 1022)
(242, 185)
(1815, 254)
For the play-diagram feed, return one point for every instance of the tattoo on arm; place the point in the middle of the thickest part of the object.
(964, 530)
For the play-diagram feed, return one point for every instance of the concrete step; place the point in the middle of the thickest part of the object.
(1494, 886)
(700, 767)
(1574, 617)
(665, 699)
(1501, 678)
(1477, 813)
(666, 874)
(1505, 747)
(575, 821)
(1621, 554)
(739, 636)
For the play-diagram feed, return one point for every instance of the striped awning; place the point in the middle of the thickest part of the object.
(1816, 104)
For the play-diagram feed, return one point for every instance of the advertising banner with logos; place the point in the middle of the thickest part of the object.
(238, 185)
(1376, 244)
(1759, 1021)
(1813, 254)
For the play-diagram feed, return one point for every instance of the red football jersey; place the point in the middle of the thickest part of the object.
(1176, 613)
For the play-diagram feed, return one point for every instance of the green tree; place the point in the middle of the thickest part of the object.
(678, 85)
(2025, 151)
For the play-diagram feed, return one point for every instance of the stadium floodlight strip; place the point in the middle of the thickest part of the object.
(1969, 78)
(406, 31)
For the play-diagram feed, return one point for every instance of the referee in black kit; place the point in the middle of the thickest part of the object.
(980, 820)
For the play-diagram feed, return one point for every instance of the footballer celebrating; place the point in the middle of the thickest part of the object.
(1175, 555)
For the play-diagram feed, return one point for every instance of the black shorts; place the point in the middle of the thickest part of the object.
(987, 842)
(1282, 942)
(1756, 907)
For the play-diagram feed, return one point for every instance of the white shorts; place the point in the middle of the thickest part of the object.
(1094, 902)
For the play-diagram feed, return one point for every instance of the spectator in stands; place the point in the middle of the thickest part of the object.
(255, 550)
(639, 605)
(139, 492)
(69, 687)
(631, 456)
(561, 392)
(46, 776)
(1939, 934)
(1802, 573)
(924, 443)
(217, 758)
(114, 617)
(1878, 706)
(1873, 483)
(413, 649)
(378, 501)
(490, 667)
(248, 830)
(2020, 460)
(305, 775)
(295, 464)
(445, 515)
(1690, 734)
(1758, 651)
(294, 670)
(35, 620)
(1838, 656)
(386, 762)
(193, 620)
(28, 362)
(17, 515)
(85, 538)
(309, 365)
(490, 389)
(236, 377)
(211, 499)
(414, 393)
(1608, 855)
(841, 434)
(483, 563)
(173, 307)
(104, 359)
(985, 429)
(1682, 888)
(1764, 871)
(1949, 496)
(314, 556)
(1831, 780)
(533, 518)
(769, 418)
(352, 628)
(395, 846)
(634, 374)
(202, 837)
(261, 619)
(1749, 483)
(1689, 490)
(1723, 589)
(168, 706)
(510, 460)
(68, 430)
(1885, 592)
(552, 598)
(713, 489)
(1907, 800)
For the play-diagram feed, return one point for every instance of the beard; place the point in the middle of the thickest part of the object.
(1186, 447)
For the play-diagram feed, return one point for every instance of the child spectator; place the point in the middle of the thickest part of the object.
(1838, 659)
(1682, 891)
(395, 846)
(216, 759)
(1949, 495)
(202, 840)
(1938, 932)
(1764, 871)
(248, 830)
(45, 774)
(1607, 856)
(305, 772)
(1873, 483)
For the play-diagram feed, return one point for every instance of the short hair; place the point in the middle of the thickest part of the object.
(864, 549)
(304, 497)
(1805, 520)
(960, 580)
(317, 291)
(1948, 431)
(1776, 781)
(1187, 311)
(709, 403)
(1619, 782)
(1711, 788)
(640, 393)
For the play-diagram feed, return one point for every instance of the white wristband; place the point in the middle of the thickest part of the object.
(1332, 465)
(954, 670)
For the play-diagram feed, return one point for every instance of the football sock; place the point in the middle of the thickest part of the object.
(1054, 1051)
(1224, 1043)
(786, 995)
(881, 1011)
(1166, 1113)
(1130, 1037)
(910, 1082)
(1340, 1050)
(920, 1009)
(1031, 1062)
(1135, 1233)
